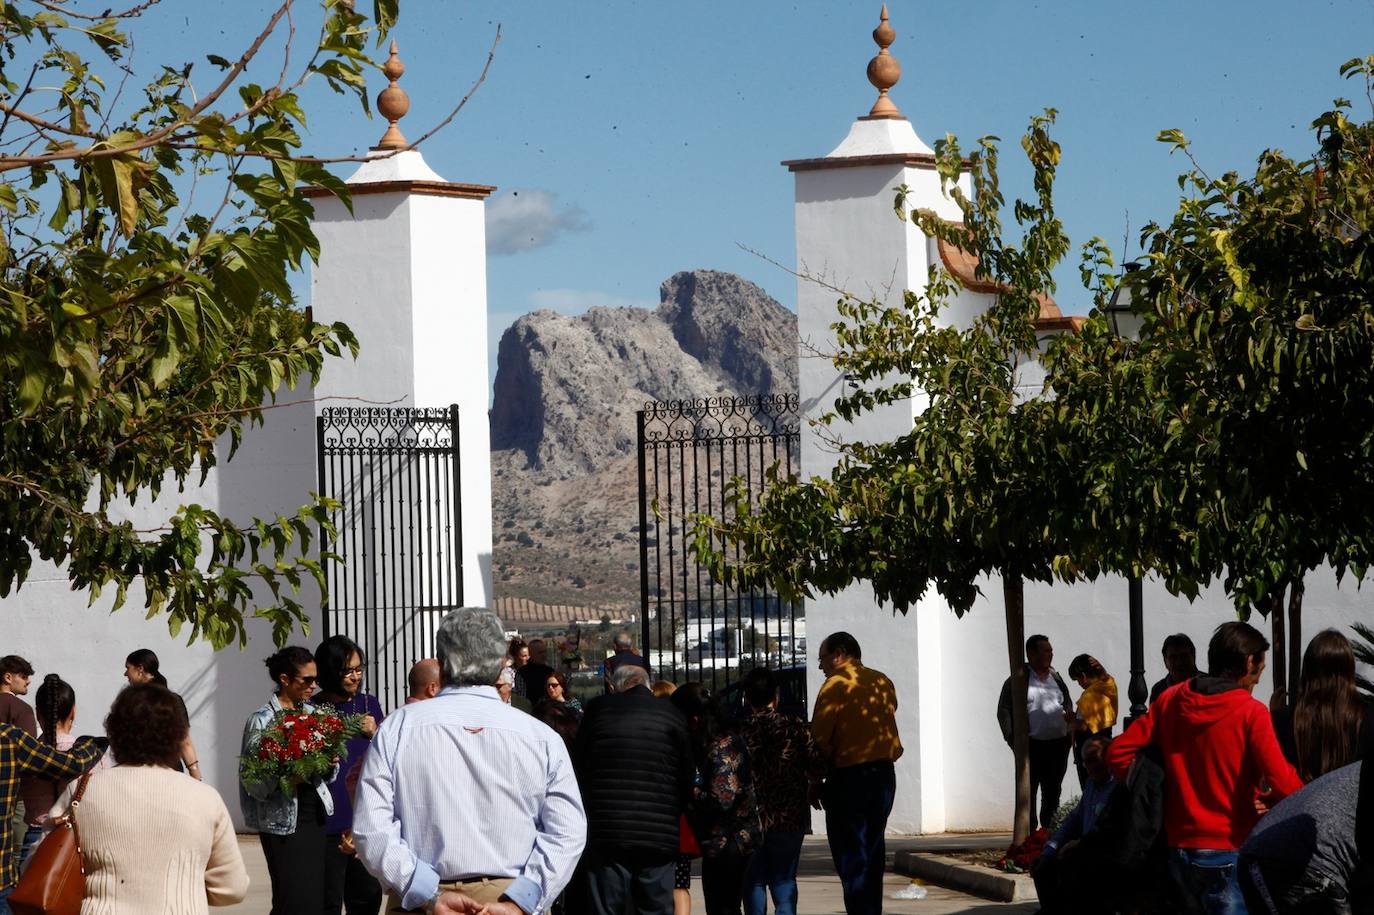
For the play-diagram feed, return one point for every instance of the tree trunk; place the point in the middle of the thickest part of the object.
(1278, 648)
(1014, 599)
(1295, 645)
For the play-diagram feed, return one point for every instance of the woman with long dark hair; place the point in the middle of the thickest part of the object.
(290, 824)
(1327, 726)
(557, 690)
(340, 664)
(724, 813)
(141, 666)
(55, 708)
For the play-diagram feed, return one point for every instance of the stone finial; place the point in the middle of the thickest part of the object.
(393, 103)
(883, 70)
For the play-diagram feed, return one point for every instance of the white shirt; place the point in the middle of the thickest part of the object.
(1045, 707)
(463, 785)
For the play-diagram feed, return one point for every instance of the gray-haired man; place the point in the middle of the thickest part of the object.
(635, 759)
(465, 802)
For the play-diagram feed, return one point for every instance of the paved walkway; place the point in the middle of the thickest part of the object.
(819, 890)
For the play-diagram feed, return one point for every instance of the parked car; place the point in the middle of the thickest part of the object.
(791, 694)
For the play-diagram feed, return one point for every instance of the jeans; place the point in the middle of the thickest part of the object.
(1206, 881)
(858, 800)
(773, 868)
(1288, 888)
(32, 836)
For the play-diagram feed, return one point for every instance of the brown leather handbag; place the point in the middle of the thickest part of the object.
(54, 883)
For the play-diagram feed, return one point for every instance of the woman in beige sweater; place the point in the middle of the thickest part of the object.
(154, 841)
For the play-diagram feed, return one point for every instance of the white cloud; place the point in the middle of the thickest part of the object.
(526, 218)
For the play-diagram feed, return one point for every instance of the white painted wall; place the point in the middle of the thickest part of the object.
(51, 626)
(1091, 618)
(849, 238)
(407, 272)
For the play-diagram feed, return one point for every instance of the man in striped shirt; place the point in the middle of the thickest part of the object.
(466, 803)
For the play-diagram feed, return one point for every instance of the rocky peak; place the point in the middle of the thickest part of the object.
(567, 387)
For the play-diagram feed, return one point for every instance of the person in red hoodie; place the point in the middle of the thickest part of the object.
(1220, 756)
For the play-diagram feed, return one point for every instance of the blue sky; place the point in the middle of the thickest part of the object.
(644, 138)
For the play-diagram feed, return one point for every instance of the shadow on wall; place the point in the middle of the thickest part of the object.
(273, 473)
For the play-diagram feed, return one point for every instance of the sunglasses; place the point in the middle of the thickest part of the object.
(308, 681)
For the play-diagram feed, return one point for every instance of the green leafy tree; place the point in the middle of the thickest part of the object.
(1234, 439)
(1231, 443)
(145, 306)
(972, 490)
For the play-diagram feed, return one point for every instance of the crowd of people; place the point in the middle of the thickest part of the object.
(605, 810)
(153, 837)
(493, 790)
(1210, 802)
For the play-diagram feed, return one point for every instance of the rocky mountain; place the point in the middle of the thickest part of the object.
(567, 387)
(565, 499)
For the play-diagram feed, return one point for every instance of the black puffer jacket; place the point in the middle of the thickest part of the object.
(634, 766)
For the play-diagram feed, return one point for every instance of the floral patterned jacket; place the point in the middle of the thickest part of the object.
(784, 761)
(724, 813)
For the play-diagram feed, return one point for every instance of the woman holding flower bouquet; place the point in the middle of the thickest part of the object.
(348, 886)
(290, 755)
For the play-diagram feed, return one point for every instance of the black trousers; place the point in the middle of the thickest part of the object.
(1079, 739)
(348, 887)
(722, 883)
(295, 863)
(1080, 883)
(1049, 760)
(618, 883)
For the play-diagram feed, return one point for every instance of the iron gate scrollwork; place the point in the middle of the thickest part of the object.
(395, 473)
(694, 627)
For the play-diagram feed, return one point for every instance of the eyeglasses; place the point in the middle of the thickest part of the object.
(308, 681)
(353, 671)
(553, 684)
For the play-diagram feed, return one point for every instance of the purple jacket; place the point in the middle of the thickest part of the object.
(341, 820)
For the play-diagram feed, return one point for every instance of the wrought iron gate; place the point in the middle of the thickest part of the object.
(695, 628)
(395, 473)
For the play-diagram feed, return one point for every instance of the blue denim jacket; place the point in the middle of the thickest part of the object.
(264, 806)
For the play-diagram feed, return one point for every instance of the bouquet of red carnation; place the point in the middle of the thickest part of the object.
(298, 746)
(1019, 858)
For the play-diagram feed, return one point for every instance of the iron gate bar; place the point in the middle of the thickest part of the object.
(396, 475)
(760, 432)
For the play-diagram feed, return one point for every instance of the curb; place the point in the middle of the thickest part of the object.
(953, 874)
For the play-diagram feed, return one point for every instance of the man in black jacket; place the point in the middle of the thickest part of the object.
(635, 769)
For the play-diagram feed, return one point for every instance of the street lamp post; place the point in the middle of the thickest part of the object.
(1126, 324)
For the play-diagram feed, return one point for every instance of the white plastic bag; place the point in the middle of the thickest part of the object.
(913, 890)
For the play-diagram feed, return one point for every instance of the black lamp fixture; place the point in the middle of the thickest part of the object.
(1126, 324)
(1122, 317)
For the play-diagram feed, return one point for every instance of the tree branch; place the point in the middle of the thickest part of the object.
(157, 137)
(57, 6)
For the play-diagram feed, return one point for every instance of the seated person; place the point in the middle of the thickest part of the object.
(1065, 881)
(1305, 854)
